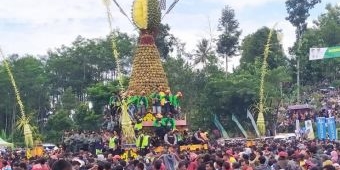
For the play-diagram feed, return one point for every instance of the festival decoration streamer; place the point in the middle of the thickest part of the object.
(122, 11)
(24, 121)
(113, 42)
(126, 122)
(264, 69)
(170, 8)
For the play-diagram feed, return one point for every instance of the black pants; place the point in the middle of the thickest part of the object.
(114, 110)
(167, 108)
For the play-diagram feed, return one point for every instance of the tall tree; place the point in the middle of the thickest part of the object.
(325, 33)
(165, 41)
(68, 100)
(253, 46)
(298, 13)
(228, 40)
(203, 53)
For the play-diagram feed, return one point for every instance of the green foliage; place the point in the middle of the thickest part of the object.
(326, 33)
(87, 119)
(56, 125)
(203, 53)
(227, 43)
(100, 93)
(298, 13)
(253, 48)
(165, 41)
(68, 100)
(5, 136)
(228, 40)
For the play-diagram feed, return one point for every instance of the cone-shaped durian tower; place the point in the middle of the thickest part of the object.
(147, 70)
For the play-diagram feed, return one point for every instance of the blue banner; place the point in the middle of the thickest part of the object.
(331, 128)
(321, 127)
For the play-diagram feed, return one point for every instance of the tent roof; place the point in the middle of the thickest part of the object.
(299, 107)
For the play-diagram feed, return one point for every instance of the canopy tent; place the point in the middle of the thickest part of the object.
(5, 144)
(299, 107)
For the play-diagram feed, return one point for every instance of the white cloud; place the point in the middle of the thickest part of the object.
(243, 4)
(47, 24)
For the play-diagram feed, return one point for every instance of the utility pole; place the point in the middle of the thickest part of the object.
(298, 79)
(298, 64)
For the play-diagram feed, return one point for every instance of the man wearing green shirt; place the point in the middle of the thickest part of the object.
(159, 126)
(156, 103)
(142, 104)
(175, 101)
(169, 123)
(132, 102)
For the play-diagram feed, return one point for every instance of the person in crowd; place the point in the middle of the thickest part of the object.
(179, 137)
(158, 165)
(138, 124)
(197, 139)
(263, 165)
(113, 141)
(161, 94)
(114, 103)
(159, 126)
(142, 104)
(183, 165)
(170, 139)
(169, 122)
(218, 165)
(62, 165)
(40, 165)
(132, 103)
(143, 143)
(140, 166)
(167, 102)
(6, 166)
(209, 165)
(156, 102)
(175, 101)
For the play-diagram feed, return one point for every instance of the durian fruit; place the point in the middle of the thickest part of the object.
(147, 70)
(146, 14)
(154, 14)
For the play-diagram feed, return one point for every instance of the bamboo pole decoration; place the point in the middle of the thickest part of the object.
(24, 120)
(113, 42)
(126, 122)
(260, 120)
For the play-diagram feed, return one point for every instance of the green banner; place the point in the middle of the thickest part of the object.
(322, 53)
(233, 118)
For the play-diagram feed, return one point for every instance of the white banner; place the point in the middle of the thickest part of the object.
(317, 53)
(309, 129)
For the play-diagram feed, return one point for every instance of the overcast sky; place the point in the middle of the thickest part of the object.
(34, 26)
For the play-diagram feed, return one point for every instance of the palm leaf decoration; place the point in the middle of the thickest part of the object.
(24, 121)
(264, 70)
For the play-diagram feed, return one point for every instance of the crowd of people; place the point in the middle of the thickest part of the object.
(103, 150)
(322, 102)
(162, 133)
(263, 155)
